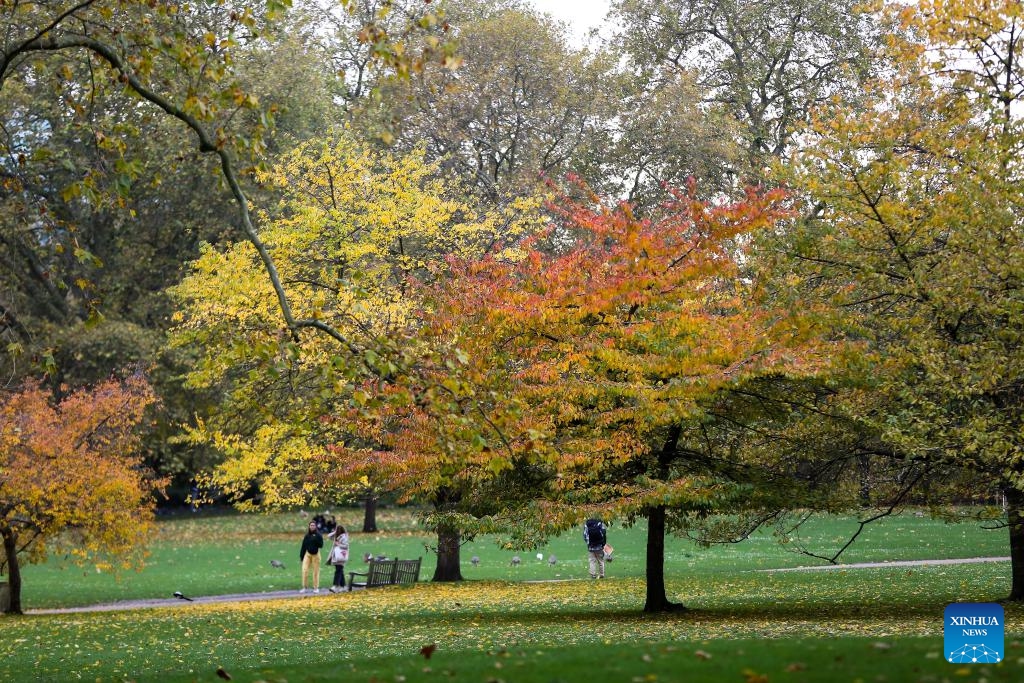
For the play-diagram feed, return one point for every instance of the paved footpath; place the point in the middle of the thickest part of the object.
(279, 595)
(178, 602)
(898, 563)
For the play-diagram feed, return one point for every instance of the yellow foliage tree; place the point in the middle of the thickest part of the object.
(915, 240)
(353, 228)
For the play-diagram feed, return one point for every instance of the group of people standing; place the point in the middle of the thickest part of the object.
(309, 554)
(594, 534)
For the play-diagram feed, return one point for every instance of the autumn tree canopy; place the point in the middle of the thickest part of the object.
(564, 372)
(71, 476)
(914, 239)
(129, 133)
(765, 63)
(355, 231)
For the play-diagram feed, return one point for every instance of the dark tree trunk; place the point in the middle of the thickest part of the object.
(449, 543)
(657, 599)
(370, 513)
(449, 538)
(1015, 517)
(13, 570)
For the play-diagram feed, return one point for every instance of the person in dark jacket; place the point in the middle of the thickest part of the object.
(595, 533)
(309, 554)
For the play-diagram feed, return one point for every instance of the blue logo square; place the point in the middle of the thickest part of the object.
(974, 633)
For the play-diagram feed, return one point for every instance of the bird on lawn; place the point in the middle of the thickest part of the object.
(178, 595)
(277, 564)
(552, 560)
(515, 561)
(475, 561)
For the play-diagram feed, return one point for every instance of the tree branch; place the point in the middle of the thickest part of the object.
(27, 46)
(207, 145)
(863, 523)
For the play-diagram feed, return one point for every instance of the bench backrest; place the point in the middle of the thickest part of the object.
(388, 572)
(407, 571)
(380, 573)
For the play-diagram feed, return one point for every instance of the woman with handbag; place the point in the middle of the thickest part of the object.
(338, 557)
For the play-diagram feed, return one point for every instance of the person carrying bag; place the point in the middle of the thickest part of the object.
(338, 557)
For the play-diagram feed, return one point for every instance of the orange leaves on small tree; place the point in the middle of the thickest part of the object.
(71, 476)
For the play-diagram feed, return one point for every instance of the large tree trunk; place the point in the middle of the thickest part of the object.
(1015, 517)
(657, 599)
(449, 538)
(370, 513)
(449, 543)
(13, 570)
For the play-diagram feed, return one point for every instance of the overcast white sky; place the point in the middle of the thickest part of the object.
(581, 15)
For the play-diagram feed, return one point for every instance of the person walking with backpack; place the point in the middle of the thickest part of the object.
(595, 534)
(309, 555)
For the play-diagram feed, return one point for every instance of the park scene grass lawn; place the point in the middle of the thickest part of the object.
(717, 258)
(532, 622)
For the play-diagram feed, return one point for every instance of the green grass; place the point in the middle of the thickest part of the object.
(230, 553)
(755, 661)
(841, 625)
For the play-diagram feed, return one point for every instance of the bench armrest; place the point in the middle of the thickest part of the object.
(353, 575)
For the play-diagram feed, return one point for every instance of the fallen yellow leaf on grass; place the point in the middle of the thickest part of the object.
(753, 677)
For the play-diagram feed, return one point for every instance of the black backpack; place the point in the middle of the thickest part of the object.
(595, 534)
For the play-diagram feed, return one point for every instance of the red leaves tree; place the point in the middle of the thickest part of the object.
(71, 477)
(619, 341)
(562, 380)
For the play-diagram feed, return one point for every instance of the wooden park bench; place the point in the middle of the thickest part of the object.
(387, 573)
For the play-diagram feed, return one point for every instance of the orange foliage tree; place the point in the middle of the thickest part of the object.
(560, 380)
(71, 477)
